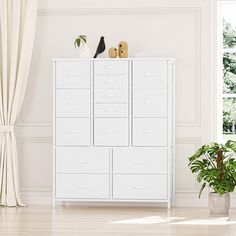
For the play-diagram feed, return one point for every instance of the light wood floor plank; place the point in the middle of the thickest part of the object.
(113, 221)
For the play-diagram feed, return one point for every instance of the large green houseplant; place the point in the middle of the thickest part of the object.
(215, 165)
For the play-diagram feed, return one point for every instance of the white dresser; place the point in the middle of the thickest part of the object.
(114, 130)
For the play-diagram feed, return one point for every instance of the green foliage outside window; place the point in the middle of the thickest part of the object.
(229, 75)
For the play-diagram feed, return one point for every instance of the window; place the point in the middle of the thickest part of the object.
(228, 70)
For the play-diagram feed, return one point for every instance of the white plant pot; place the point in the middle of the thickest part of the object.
(219, 204)
(84, 51)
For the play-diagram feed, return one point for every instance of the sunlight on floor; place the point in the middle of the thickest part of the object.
(177, 221)
(148, 220)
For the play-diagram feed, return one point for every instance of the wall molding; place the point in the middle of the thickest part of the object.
(196, 141)
(196, 11)
(116, 11)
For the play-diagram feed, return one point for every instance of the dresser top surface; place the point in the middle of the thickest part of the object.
(116, 59)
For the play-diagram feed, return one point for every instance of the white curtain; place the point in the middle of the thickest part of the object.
(17, 30)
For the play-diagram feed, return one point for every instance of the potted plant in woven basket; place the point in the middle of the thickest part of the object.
(215, 165)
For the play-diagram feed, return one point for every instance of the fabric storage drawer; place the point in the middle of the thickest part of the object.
(82, 186)
(140, 160)
(140, 187)
(73, 103)
(73, 74)
(150, 132)
(73, 131)
(82, 160)
(111, 95)
(111, 67)
(150, 103)
(111, 81)
(150, 74)
(111, 110)
(111, 132)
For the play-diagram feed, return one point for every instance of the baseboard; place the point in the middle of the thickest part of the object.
(43, 197)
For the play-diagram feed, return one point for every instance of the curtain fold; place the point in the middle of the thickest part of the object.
(17, 30)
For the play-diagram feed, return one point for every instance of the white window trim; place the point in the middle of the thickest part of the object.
(220, 51)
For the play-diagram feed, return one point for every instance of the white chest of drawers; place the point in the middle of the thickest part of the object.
(114, 130)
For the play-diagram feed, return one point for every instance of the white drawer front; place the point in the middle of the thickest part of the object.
(73, 74)
(111, 95)
(150, 74)
(150, 132)
(140, 187)
(111, 132)
(150, 103)
(111, 67)
(73, 131)
(82, 186)
(111, 81)
(73, 103)
(140, 160)
(111, 110)
(82, 160)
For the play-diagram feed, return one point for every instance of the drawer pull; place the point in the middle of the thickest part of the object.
(147, 102)
(81, 162)
(111, 131)
(72, 103)
(109, 81)
(110, 110)
(149, 74)
(110, 95)
(111, 67)
(149, 131)
(82, 187)
(73, 131)
(139, 187)
(73, 74)
(139, 162)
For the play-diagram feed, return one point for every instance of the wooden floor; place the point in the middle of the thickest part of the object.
(114, 221)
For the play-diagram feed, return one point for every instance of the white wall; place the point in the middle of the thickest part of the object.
(183, 29)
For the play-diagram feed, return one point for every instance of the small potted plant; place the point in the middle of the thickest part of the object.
(81, 43)
(215, 166)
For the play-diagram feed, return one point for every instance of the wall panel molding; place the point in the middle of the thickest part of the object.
(196, 11)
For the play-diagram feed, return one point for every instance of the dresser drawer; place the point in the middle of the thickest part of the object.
(140, 160)
(111, 81)
(111, 110)
(111, 95)
(150, 74)
(73, 131)
(73, 103)
(140, 187)
(82, 160)
(111, 67)
(150, 103)
(73, 74)
(111, 132)
(71, 186)
(150, 132)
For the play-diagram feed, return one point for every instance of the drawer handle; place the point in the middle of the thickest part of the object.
(147, 102)
(139, 187)
(73, 74)
(73, 131)
(72, 103)
(139, 162)
(111, 131)
(149, 131)
(110, 110)
(81, 162)
(109, 81)
(82, 187)
(111, 67)
(110, 95)
(149, 74)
